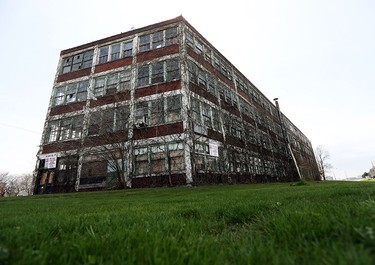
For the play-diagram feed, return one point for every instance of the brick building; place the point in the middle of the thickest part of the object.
(159, 105)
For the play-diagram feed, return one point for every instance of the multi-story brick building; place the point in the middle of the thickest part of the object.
(159, 105)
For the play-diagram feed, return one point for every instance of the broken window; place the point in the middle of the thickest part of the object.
(216, 119)
(193, 72)
(157, 72)
(189, 38)
(157, 159)
(112, 81)
(141, 160)
(176, 156)
(70, 93)
(157, 40)
(170, 36)
(94, 124)
(195, 108)
(206, 114)
(173, 70)
(53, 131)
(125, 78)
(202, 81)
(121, 118)
(174, 108)
(64, 129)
(144, 43)
(143, 75)
(77, 61)
(157, 112)
(160, 72)
(59, 96)
(99, 86)
(141, 112)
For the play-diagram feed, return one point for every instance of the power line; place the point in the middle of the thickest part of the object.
(19, 128)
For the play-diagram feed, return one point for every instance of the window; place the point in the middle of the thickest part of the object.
(64, 129)
(99, 86)
(157, 40)
(78, 61)
(216, 120)
(158, 159)
(103, 55)
(143, 75)
(196, 110)
(157, 72)
(121, 118)
(141, 160)
(202, 81)
(206, 114)
(70, 93)
(170, 36)
(141, 112)
(193, 72)
(127, 49)
(115, 51)
(102, 122)
(157, 112)
(144, 43)
(125, 78)
(173, 70)
(174, 108)
(176, 156)
(112, 81)
(189, 38)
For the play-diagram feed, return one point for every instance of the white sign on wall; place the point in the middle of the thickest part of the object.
(50, 160)
(214, 148)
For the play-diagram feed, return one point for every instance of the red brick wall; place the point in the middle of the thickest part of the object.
(150, 55)
(59, 147)
(159, 88)
(122, 96)
(113, 65)
(57, 110)
(162, 130)
(73, 75)
(203, 93)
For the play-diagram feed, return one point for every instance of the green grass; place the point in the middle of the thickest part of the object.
(313, 223)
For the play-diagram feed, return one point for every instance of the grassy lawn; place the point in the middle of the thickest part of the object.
(317, 223)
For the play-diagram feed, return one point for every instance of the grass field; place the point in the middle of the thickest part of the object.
(317, 223)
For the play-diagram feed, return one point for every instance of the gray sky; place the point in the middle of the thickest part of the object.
(317, 57)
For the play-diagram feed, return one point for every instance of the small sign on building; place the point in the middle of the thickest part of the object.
(214, 148)
(50, 160)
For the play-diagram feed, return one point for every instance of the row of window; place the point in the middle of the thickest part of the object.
(159, 111)
(158, 72)
(120, 50)
(109, 120)
(64, 129)
(147, 113)
(159, 158)
(158, 39)
(115, 51)
(112, 83)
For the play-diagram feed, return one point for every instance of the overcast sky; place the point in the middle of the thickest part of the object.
(317, 57)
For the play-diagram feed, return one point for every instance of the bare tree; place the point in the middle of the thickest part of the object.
(3, 183)
(26, 184)
(322, 157)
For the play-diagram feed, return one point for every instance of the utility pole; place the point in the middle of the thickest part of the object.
(285, 136)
